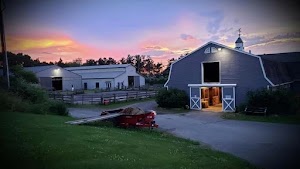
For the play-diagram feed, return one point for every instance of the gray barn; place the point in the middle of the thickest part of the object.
(219, 77)
(53, 77)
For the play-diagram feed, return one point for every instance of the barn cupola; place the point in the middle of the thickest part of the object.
(239, 44)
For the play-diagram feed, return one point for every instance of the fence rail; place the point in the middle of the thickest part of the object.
(102, 98)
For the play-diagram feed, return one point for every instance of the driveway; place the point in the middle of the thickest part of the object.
(266, 145)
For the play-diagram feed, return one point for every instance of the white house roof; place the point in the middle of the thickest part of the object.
(36, 69)
(101, 75)
(98, 67)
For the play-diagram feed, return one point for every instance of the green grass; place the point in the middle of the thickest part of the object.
(45, 141)
(288, 119)
(110, 105)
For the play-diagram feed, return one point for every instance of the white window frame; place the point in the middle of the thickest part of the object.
(207, 50)
(213, 50)
(202, 72)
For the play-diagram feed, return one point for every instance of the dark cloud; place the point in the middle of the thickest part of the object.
(215, 22)
(288, 35)
(262, 40)
(187, 37)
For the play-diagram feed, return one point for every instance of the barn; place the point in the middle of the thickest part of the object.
(53, 77)
(218, 77)
(109, 77)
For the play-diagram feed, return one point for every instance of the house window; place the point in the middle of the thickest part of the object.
(207, 50)
(97, 85)
(211, 72)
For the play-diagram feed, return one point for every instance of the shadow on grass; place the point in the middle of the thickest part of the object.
(287, 119)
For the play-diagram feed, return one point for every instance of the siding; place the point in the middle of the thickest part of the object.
(68, 77)
(236, 68)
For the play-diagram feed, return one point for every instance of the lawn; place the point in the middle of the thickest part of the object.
(288, 119)
(45, 141)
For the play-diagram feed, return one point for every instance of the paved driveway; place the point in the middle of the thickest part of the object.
(265, 145)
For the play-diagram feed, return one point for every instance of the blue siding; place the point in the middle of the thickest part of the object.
(236, 68)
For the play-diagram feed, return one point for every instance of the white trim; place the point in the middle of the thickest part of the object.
(234, 97)
(283, 83)
(190, 97)
(215, 43)
(211, 85)
(202, 72)
(222, 99)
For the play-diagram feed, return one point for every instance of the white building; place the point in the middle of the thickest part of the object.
(53, 77)
(109, 76)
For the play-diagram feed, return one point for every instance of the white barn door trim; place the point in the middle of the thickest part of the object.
(228, 103)
(195, 102)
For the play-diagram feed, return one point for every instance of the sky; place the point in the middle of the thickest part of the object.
(163, 29)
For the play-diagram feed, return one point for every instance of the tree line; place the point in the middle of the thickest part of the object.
(143, 64)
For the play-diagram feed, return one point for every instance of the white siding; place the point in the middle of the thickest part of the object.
(68, 78)
(91, 83)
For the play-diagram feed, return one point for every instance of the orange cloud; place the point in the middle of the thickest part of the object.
(51, 47)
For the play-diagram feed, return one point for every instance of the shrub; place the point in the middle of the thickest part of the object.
(58, 108)
(172, 98)
(38, 108)
(20, 73)
(278, 102)
(10, 102)
(27, 91)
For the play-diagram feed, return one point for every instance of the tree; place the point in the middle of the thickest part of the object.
(123, 61)
(157, 68)
(90, 62)
(111, 61)
(101, 61)
(149, 65)
(130, 60)
(139, 63)
(60, 63)
(167, 70)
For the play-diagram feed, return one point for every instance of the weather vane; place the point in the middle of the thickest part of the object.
(239, 30)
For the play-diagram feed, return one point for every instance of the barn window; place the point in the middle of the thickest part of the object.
(214, 50)
(207, 50)
(211, 72)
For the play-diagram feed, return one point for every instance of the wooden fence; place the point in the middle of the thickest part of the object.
(102, 98)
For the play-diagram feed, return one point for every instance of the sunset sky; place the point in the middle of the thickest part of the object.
(163, 29)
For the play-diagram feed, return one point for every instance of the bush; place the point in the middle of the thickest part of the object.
(39, 108)
(58, 108)
(172, 98)
(20, 73)
(10, 102)
(278, 102)
(27, 91)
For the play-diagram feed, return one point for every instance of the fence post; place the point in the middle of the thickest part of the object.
(72, 98)
(137, 96)
(127, 96)
(147, 94)
(114, 97)
(101, 99)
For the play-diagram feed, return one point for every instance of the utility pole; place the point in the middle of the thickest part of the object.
(3, 45)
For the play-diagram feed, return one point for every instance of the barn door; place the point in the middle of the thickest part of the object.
(228, 99)
(195, 98)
